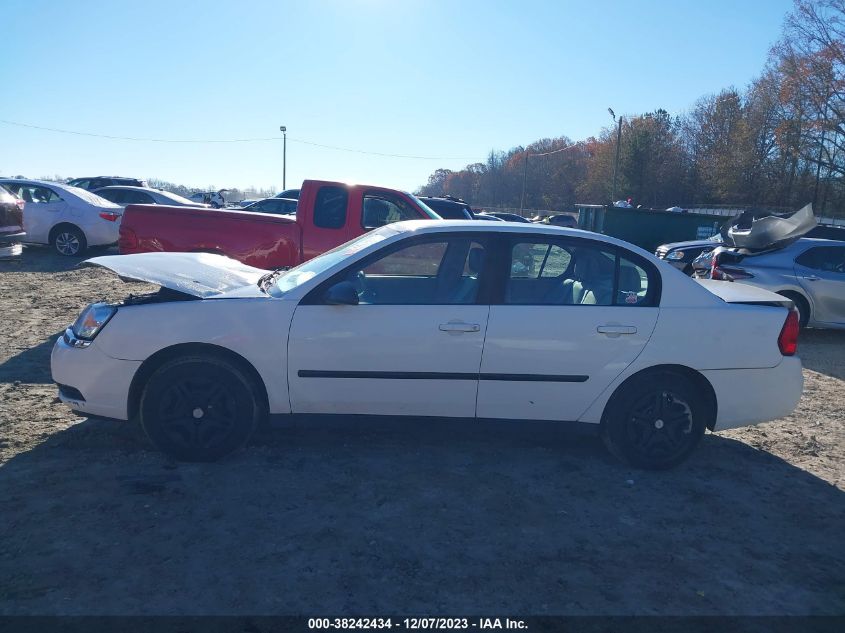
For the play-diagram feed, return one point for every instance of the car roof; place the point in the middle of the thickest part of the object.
(131, 187)
(39, 183)
(550, 230)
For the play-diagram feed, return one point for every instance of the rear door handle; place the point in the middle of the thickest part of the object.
(459, 326)
(616, 330)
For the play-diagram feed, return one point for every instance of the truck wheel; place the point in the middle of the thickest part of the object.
(654, 421)
(69, 241)
(199, 408)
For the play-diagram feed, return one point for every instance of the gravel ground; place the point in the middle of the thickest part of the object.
(392, 517)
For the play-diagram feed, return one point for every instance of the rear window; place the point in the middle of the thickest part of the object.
(330, 207)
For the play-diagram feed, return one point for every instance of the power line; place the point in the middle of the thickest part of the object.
(231, 140)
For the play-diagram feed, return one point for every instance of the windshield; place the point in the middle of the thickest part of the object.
(425, 208)
(313, 267)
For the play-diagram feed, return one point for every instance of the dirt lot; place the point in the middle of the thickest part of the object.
(386, 518)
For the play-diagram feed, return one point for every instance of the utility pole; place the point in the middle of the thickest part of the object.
(284, 131)
(618, 146)
(524, 176)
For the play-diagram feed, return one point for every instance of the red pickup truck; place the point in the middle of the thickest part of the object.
(327, 215)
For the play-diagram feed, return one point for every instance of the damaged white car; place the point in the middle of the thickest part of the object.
(446, 319)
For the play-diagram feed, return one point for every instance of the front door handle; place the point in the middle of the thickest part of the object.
(811, 278)
(616, 330)
(459, 326)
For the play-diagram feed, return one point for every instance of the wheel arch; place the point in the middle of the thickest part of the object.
(791, 292)
(695, 377)
(60, 225)
(156, 360)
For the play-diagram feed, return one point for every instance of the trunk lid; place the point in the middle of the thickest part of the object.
(202, 275)
(738, 292)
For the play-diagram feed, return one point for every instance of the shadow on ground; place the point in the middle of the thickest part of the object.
(380, 517)
(31, 365)
(820, 351)
(42, 259)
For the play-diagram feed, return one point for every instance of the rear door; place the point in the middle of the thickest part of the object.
(569, 317)
(821, 273)
(411, 346)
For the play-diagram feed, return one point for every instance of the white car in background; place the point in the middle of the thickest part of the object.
(124, 195)
(67, 218)
(447, 319)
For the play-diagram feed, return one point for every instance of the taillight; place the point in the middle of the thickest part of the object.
(111, 216)
(788, 339)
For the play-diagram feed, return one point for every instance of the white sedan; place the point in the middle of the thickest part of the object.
(67, 218)
(505, 320)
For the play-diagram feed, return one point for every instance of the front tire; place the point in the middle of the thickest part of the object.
(654, 421)
(199, 408)
(69, 241)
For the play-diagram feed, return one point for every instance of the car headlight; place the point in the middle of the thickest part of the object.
(675, 255)
(92, 319)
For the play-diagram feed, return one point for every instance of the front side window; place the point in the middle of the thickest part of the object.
(438, 272)
(380, 209)
(330, 207)
(36, 194)
(137, 197)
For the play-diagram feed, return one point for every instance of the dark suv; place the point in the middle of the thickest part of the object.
(449, 208)
(96, 182)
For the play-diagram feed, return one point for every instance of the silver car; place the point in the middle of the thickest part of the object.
(809, 271)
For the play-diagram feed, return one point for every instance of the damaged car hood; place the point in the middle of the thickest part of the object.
(770, 231)
(202, 275)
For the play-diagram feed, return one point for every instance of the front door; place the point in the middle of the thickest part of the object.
(572, 315)
(411, 346)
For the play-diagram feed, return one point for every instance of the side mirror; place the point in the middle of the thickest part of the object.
(342, 293)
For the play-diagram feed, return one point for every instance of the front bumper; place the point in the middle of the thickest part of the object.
(92, 382)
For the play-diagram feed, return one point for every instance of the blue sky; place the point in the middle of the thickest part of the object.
(436, 78)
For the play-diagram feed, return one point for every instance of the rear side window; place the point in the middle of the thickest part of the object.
(634, 284)
(330, 207)
(573, 273)
(379, 209)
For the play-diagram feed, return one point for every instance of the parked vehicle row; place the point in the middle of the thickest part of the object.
(67, 218)
(429, 319)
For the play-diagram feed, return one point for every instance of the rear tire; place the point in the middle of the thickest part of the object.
(199, 408)
(654, 421)
(69, 241)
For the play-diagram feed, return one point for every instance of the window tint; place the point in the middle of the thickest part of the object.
(112, 195)
(420, 260)
(428, 273)
(824, 258)
(330, 207)
(36, 194)
(137, 197)
(539, 260)
(560, 274)
(633, 284)
(379, 209)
